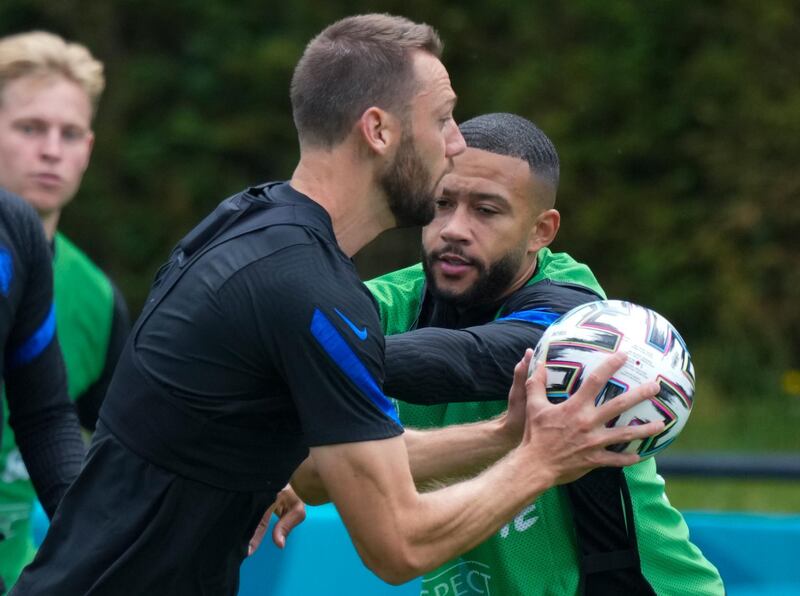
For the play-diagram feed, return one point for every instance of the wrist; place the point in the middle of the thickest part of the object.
(531, 475)
(504, 433)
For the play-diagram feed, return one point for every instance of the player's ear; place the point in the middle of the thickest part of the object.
(379, 130)
(89, 140)
(544, 230)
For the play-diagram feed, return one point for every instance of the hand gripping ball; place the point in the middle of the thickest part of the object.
(576, 343)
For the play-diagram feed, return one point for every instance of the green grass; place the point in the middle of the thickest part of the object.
(763, 424)
(717, 494)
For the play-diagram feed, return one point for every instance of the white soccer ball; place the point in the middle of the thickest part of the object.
(575, 344)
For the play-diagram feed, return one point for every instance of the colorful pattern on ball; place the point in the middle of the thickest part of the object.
(578, 342)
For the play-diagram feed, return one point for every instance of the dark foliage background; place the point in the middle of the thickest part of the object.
(678, 125)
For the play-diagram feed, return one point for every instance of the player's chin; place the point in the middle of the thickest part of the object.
(45, 200)
(446, 280)
(452, 287)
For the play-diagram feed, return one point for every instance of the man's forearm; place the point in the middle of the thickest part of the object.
(52, 449)
(45, 425)
(434, 365)
(443, 455)
(400, 533)
(461, 516)
(436, 456)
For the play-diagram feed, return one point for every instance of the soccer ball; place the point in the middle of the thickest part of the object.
(575, 344)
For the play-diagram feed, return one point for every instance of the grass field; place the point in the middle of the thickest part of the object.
(765, 425)
(734, 495)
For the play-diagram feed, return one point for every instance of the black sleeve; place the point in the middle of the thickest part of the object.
(40, 412)
(434, 365)
(45, 425)
(89, 402)
(319, 324)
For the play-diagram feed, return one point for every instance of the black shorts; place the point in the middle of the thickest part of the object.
(127, 526)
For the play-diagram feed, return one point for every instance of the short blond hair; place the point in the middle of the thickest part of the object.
(39, 53)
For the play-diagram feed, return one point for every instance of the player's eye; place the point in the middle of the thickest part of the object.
(73, 134)
(442, 204)
(484, 210)
(30, 128)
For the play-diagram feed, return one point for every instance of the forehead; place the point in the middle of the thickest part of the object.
(49, 97)
(433, 80)
(477, 171)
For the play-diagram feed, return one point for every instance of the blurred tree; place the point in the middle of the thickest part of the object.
(677, 125)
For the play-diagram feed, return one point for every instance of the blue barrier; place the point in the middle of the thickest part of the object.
(755, 553)
(319, 558)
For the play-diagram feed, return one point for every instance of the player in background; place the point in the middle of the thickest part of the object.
(31, 367)
(259, 346)
(49, 91)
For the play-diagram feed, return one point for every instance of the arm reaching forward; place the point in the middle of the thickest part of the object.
(401, 534)
(441, 454)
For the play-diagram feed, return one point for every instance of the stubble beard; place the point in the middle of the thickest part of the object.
(409, 187)
(493, 281)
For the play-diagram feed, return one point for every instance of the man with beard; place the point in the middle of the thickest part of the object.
(486, 289)
(258, 344)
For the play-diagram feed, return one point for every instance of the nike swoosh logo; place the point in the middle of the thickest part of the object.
(360, 333)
